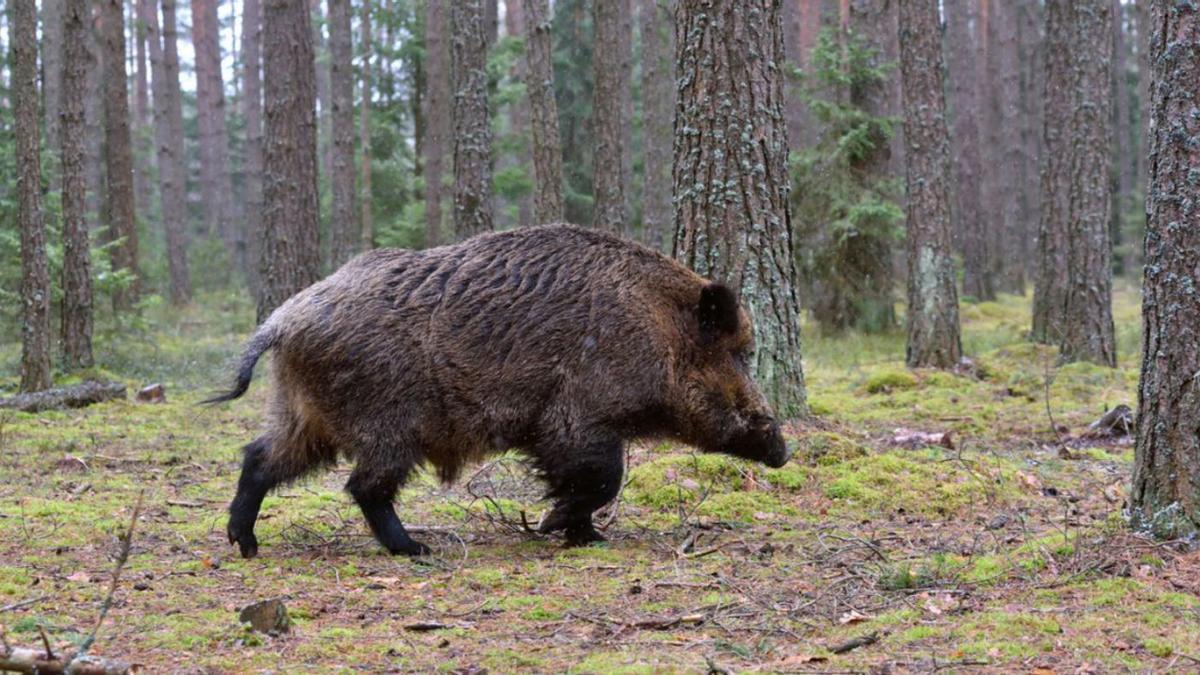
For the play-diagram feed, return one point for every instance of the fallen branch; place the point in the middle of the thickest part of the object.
(75, 396)
(25, 660)
(855, 643)
(23, 603)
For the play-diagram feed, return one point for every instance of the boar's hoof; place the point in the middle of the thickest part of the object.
(582, 535)
(246, 541)
(408, 547)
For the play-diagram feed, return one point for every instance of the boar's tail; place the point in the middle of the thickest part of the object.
(266, 338)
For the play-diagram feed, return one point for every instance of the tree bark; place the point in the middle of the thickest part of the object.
(291, 248)
(658, 103)
(1145, 31)
(608, 175)
(733, 224)
(1029, 59)
(1122, 149)
(324, 102)
(933, 331)
(1165, 498)
(168, 135)
(543, 115)
(438, 115)
(52, 71)
(518, 112)
(472, 123)
(118, 153)
(343, 228)
(1050, 287)
(252, 114)
(962, 39)
(215, 185)
(93, 112)
(1002, 189)
(35, 272)
(143, 130)
(364, 133)
(1088, 330)
(77, 255)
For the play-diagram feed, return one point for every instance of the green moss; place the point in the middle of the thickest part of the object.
(824, 447)
(1160, 648)
(886, 381)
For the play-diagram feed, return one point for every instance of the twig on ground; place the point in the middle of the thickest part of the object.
(122, 558)
(855, 643)
(23, 603)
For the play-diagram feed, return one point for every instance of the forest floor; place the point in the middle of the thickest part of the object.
(1005, 553)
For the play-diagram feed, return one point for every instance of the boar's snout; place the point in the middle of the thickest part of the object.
(762, 440)
(778, 452)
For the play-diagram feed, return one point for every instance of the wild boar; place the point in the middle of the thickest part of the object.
(562, 342)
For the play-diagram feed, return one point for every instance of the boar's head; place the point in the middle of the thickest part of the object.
(723, 406)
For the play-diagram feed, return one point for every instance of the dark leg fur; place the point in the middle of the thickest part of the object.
(581, 480)
(259, 476)
(374, 492)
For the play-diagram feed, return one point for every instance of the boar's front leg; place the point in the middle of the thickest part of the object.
(374, 488)
(582, 478)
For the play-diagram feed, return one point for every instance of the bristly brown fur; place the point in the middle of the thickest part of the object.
(557, 340)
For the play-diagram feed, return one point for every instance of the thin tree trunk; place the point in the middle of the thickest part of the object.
(143, 133)
(93, 112)
(77, 256)
(324, 102)
(933, 332)
(252, 113)
(734, 225)
(608, 175)
(1165, 498)
(472, 124)
(364, 132)
(437, 116)
(1050, 288)
(1004, 190)
(1123, 173)
(1145, 31)
(215, 184)
(658, 103)
(514, 25)
(291, 258)
(625, 53)
(1088, 330)
(35, 272)
(543, 115)
(1030, 117)
(118, 154)
(962, 23)
(168, 134)
(344, 230)
(52, 70)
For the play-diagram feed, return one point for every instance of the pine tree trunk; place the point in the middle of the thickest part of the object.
(343, 228)
(77, 256)
(143, 134)
(962, 23)
(1004, 190)
(291, 248)
(93, 114)
(35, 272)
(168, 136)
(1122, 149)
(734, 225)
(514, 25)
(1145, 31)
(933, 332)
(1050, 288)
(608, 175)
(438, 115)
(1088, 330)
(546, 147)
(324, 104)
(252, 115)
(658, 102)
(1165, 498)
(213, 140)
(1030, 117)
(364, 133)
(52, 72)
(472, 123)
(625, 53)
(118, 153)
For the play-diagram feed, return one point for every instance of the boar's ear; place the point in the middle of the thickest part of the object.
(717, 312)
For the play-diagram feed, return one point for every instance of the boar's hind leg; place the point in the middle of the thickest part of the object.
(582, 479)
(374, 488)
(259, 476)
